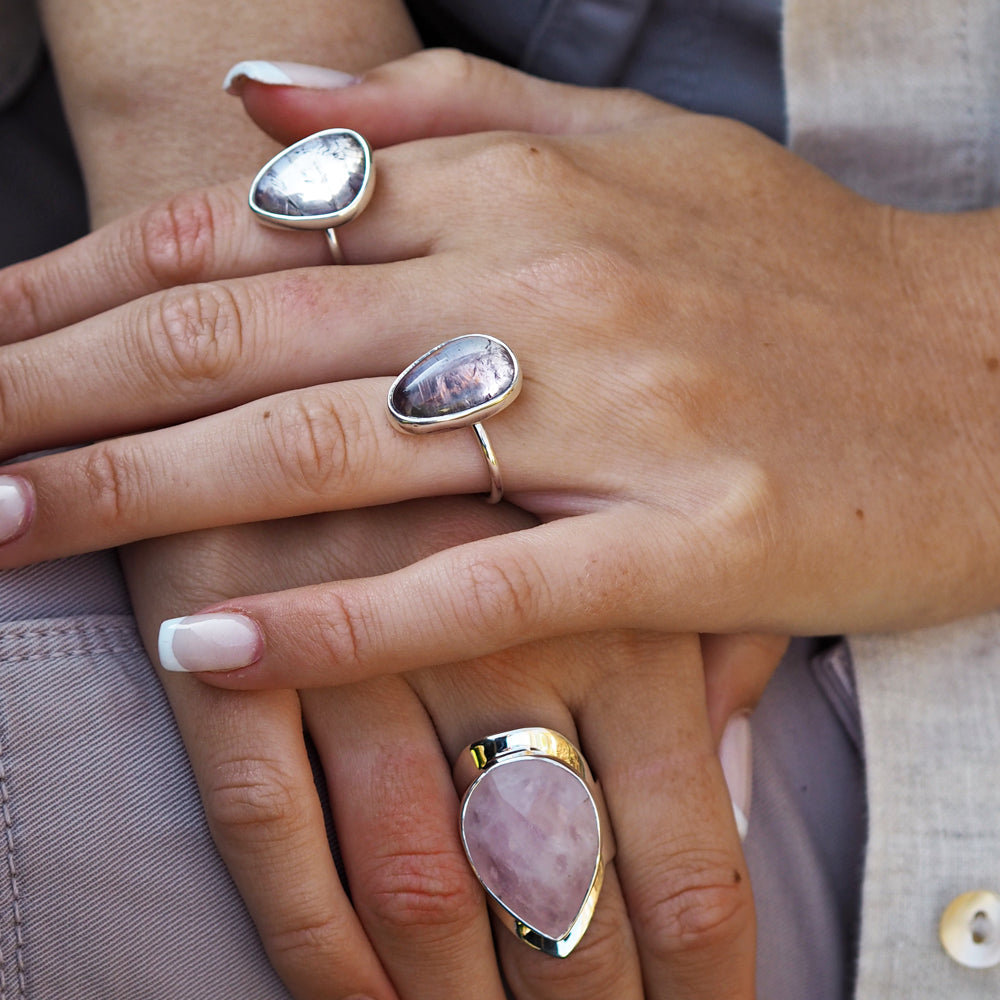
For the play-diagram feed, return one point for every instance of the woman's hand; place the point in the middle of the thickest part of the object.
(738, 391)
(675, 917)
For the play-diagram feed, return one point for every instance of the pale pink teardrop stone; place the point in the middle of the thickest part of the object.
(530, 828)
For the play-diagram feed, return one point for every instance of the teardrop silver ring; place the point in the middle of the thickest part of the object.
(536, 832)
(460, 382)
(319, 182)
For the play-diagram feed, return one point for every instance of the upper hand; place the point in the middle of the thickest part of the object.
(724, 385)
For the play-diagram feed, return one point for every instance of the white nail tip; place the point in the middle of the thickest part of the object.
(257, 70)
(736, 757)
(285, 75)
(165, 646)
(742, 823)
(15, 507)
(214, 642)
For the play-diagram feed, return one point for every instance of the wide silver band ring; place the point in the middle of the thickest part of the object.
(456, 384)
(319, 182)
(536, 833)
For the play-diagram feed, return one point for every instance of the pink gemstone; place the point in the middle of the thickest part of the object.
(530, 829)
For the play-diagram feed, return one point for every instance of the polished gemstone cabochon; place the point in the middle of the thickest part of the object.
(455, 377)
(316, 177)
(531, 831)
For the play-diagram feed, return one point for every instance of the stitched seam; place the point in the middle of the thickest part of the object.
(46, 640)
(8, 848)
(33, 629)
(68, 654)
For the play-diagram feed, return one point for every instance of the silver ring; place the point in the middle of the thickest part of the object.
(319, 182)
(460, 382)
(536, 833)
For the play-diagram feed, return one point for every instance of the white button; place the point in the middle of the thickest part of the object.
(970, 929)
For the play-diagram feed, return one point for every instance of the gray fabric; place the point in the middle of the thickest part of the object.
(805, 845)
(37, 163)
(715, 56)
(931, 712)
(899, 100)
(109, 885)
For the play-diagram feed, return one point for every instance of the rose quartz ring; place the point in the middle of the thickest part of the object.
(460, 382)
(319, 182)
(535, 833)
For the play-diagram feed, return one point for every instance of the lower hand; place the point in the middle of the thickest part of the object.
(675, 915)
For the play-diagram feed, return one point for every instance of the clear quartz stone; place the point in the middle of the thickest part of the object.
(316, 177)
(458, 375)
(530, 829)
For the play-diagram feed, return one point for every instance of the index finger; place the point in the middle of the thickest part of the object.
(198, 235)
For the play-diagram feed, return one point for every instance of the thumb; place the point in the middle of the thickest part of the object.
(737, 669)
(435, 92)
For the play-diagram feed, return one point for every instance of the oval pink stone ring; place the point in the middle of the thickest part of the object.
(535, 831)
(460, 382)
(319, 182)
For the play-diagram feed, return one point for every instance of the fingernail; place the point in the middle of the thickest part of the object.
(17, 503)
(737, 766)
(213, 643)
(285, 74)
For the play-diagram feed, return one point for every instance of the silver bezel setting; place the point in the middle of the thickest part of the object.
(495, 751)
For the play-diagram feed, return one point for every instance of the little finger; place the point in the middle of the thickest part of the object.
(575, 574)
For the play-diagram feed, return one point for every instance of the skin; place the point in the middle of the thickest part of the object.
(692, 927)
(848, 383)
(855, 345)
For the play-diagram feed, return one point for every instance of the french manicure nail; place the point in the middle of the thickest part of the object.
(211, 643)
(285, 74)
(737, 766)
(17, 503)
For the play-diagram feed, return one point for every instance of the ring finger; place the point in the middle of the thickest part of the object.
(465, 705)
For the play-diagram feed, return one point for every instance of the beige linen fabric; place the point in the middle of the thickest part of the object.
(900, 99)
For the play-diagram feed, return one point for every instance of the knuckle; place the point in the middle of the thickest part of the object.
(315, 943)
(20, 305)
(432, 889)
(177, 238)
(342, 634)
(113, 482)
(700, 903)
(529, 166)
(493, 591)
(252, 802)
(452, 68)
(319, 443)
(195, 335)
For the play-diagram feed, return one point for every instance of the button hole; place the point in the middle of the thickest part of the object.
(981, 927)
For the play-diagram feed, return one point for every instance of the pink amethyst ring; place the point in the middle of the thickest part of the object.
(457, 384)
(536, 834)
